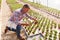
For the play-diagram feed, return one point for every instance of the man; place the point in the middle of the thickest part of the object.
(14, 22)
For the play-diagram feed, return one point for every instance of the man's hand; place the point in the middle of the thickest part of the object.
(36, 22)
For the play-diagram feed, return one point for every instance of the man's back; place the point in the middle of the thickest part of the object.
(17, 16)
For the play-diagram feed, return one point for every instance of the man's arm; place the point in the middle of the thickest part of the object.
(24, 24)
(27, 15)
(31, 17)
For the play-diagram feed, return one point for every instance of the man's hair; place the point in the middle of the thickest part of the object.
(26, 6)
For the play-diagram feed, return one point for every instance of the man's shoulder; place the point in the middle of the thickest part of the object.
(18, 10)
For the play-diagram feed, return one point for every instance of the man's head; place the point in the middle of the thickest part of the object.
(25, 8)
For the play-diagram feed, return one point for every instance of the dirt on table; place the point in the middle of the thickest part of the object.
(11, 36)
